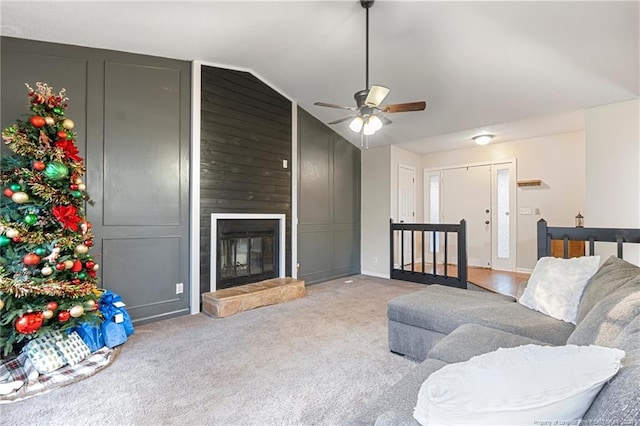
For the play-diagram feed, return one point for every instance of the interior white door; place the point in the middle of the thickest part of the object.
(467, 195)
(407, 204)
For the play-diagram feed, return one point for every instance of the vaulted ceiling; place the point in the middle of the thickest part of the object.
(514, 69)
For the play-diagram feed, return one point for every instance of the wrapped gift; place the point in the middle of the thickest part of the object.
(113, 309)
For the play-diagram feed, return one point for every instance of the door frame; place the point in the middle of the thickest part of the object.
(407, 247)
(513, 203)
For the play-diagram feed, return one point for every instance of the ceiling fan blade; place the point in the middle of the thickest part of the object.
(406, 107)
(324, 104)
(341, 120)
(376, 96)
(385, 120)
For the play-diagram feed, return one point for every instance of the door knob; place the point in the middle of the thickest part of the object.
(486, 222)
(486, 211)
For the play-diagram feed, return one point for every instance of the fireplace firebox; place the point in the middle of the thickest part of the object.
(247, 251)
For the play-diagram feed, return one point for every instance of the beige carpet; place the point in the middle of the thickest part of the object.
(312, 361)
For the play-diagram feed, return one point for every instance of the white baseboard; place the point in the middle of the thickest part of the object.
(524, 270)
(375, 274)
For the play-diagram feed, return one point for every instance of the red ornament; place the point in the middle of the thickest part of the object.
(29, 322)
(63, 316)
(62, 134)
(88, 243)
(37, 121)
(16, 239)
(31, 259)
(92, 273)
(7, 192)
(52, 306)
(89, 264)
(39, 166)
(76, 281)
(77, 266)
(73, 187)
(60, 266)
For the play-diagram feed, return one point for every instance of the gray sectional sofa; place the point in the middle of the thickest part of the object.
(441, 325)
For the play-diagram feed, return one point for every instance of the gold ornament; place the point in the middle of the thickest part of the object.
(76, 311)
(12, 233)
(68, 123)
(47, 270)
(50, 121)
(91, 304)
(96, 267)
(20, 197)
(68, 264)
(81, 249)
(47, 314)
(82, 187)
(1, 303)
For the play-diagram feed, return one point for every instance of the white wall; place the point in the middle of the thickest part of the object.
(612, 141)
(375, 213)
(559, 160)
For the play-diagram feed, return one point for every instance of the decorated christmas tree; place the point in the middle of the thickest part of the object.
(47, 276)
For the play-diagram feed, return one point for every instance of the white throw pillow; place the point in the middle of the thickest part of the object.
(556, 285)
(529, 385)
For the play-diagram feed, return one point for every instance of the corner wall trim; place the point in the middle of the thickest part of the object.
(194, 195)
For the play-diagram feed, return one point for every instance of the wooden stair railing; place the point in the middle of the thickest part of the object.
(397, 233)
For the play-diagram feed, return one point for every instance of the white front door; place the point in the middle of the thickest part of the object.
(407, 204)
(467, 195)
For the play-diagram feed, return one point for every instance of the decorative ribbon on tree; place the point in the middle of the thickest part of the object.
(47, 276)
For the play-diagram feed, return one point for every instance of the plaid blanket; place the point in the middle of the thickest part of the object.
(17, 375)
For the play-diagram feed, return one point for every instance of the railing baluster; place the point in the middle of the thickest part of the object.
(619, 241)
(402, 249)
(423, 254)
(413, 247)
(446, 253)
(433, 235)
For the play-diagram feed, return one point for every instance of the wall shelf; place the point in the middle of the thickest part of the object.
(529, 182)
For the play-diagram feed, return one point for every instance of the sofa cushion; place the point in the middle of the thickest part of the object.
(620, 398)
(613, 274)
(401, 396)
(470, 340)
(555, 286)
(609, 317)
(527, 384)
(443, 309)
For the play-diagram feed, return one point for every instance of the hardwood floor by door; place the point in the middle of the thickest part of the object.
(502, 282)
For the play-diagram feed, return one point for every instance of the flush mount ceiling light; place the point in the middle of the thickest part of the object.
(482, 139)
(369, 117)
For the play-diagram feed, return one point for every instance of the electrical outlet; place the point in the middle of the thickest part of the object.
(179, 288)
(285, 164)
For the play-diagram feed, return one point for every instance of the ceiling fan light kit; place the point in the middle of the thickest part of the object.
(482, 139)
(369, 116)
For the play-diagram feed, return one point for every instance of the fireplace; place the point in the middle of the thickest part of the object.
(246, 248)
(247, 251)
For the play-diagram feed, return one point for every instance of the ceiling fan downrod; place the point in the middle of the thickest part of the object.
(366, 4)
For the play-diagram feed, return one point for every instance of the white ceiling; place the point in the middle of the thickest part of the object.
(515, 69)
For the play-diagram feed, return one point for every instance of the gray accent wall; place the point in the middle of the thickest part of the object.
(245, 136)
(329, 202)
(132, 120)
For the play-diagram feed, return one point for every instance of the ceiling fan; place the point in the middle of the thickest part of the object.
(369, 118)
